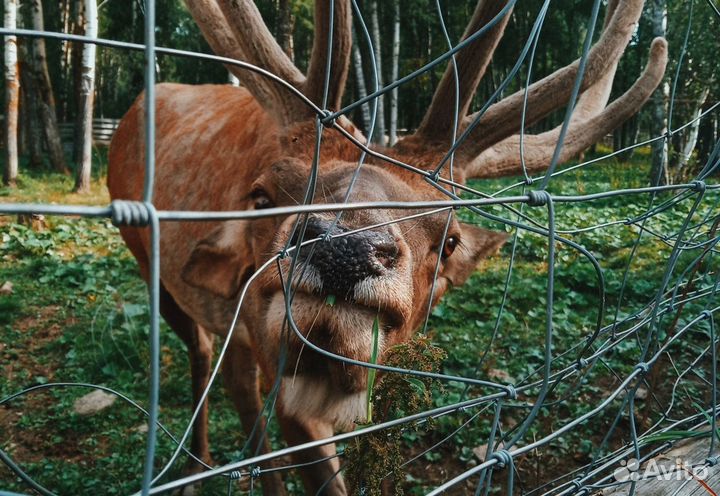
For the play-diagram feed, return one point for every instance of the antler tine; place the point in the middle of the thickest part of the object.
(503, 118)
(503, 159)
(235, 29)
(341, 49)
(471, 64)
(593, 100)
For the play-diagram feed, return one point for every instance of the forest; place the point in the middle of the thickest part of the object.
(405, 34)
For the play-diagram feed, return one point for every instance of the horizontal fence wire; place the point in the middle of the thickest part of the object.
(523, 208)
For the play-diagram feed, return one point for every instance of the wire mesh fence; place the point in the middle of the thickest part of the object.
(645, 370)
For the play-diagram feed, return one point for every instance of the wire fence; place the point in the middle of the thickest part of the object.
(670, 339)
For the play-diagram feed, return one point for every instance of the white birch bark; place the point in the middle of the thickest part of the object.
(395, 60)
(693, 132)
(658, 104)
(360, 80)
(12, 94)
(379, 134)
(87, 98)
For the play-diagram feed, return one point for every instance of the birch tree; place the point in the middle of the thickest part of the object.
(12, 94)
(86, 98)
(360, 81)
(692, 136)
(46, 99)
(658, 104)
(395, 60)
(379, 134)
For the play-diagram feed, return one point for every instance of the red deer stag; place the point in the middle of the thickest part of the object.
(225, 148)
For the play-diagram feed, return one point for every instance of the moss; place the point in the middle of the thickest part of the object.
(374, 461)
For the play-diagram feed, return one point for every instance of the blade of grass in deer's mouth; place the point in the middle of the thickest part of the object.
(372, 372)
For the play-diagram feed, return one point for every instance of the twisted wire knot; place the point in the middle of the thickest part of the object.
(699, 185)
(503, 458)
(706, 314)
(255, 472)
(538, 198)
(327, 119)
(581, 363)
(579, 487)
(529, 181)
(643, 367)
(433, 175)
(235, 475)
(129, 213)
(511, 392)
(711, 461)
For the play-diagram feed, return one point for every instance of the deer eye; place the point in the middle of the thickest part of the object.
(449, 247)
(261, 199)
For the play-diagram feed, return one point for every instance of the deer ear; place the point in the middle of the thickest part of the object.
(475, 244)
(222, 262)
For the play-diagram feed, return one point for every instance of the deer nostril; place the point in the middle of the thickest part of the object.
(386, 252)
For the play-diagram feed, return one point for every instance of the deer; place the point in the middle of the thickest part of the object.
(226, 148)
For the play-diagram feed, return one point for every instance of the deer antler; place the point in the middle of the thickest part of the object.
(341, 51)
(471, 63)
(588, 126)
(235, 29)
(552, 92)
(490, 148)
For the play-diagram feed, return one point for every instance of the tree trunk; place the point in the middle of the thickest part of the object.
(46, 101)
(286, 26)
(360, 80)
(77, 80)
(658, 104)
(692, 135)
(86, 97)
(31, 121)
(379, 134)
(395, 60)
(12, 93)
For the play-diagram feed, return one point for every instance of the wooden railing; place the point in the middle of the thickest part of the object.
(103, 130)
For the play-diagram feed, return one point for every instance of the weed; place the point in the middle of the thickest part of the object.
(375, 460)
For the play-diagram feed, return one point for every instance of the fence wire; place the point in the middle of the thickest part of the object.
(655, 331)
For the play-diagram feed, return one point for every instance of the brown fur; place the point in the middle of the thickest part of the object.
(215, 147)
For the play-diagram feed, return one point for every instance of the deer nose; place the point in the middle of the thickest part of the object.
(343, 260)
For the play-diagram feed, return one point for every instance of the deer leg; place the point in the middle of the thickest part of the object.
(240, 374)
(319, 478)
(199, 343)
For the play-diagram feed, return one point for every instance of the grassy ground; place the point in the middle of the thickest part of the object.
(77, 313)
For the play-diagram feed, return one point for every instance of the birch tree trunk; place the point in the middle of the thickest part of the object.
(360, 80)
(395, 60)
(658, 104)
(692, 135)
(87, 97)
(379, 134)
(12, 96)
(77, 79)
(46, 99)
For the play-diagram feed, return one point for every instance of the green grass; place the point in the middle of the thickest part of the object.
(78, 313)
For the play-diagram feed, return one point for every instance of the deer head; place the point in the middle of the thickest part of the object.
(224, 148)
(399, 268)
